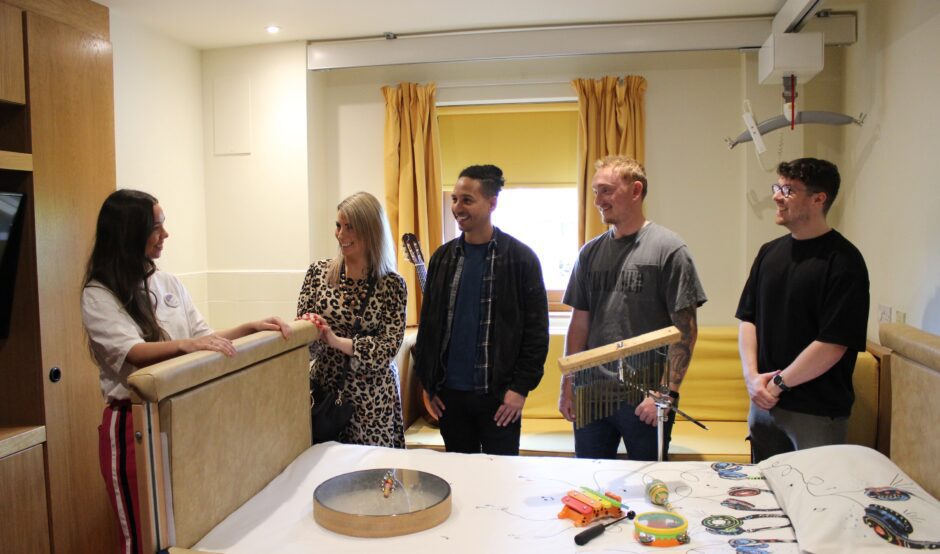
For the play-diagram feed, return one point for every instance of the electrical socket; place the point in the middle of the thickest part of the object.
(900, 317)
(885, 313)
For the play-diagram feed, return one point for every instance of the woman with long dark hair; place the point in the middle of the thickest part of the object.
(135, 316)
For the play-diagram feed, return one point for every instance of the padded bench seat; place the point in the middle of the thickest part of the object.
(713, 392)
(553, 437)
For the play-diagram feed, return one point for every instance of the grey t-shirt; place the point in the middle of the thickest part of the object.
(631, 285)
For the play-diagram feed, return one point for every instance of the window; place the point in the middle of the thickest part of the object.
(546, 219)
(536, 147)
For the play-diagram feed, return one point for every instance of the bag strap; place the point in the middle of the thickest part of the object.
(356, 326)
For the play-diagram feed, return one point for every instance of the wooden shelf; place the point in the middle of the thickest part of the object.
(16, 161)
(17, 439)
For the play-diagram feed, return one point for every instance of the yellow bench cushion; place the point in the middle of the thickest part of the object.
(863, 423)
(543, 401)
(713, 389)
(554, 437)
(713, 392)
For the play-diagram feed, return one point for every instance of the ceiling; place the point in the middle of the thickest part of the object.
(224, 23)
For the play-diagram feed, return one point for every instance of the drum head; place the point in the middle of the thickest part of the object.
(355, 503)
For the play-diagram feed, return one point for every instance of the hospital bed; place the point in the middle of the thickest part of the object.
(226, 443)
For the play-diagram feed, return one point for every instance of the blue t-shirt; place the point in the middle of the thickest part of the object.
(462, 351)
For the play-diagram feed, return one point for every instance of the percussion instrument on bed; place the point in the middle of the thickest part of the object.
(591, 533)
(388, 483)
(583, 507)
(625, 371)
(661, 529)
(603, 376)
(658, 493)
(381, 502)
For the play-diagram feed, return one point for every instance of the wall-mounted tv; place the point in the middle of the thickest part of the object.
(11, 227)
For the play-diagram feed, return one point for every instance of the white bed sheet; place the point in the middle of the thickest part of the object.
(504, 504)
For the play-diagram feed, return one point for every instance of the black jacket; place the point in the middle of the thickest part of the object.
(520, 318)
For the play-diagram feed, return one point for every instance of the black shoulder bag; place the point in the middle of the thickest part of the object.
(331, 412)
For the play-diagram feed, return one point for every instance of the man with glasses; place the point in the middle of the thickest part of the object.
(804, 318)
(635, 278)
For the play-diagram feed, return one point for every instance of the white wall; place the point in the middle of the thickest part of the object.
(238, 224)
(257, 212)
(892, 210)
(267, 215)
(697, 186)
(720, 200)
(159, 140)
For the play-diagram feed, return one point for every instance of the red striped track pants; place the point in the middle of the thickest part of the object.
(119, 469)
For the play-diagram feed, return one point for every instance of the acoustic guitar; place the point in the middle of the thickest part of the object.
(413, 252)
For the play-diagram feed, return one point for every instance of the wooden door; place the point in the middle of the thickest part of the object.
(71, 107)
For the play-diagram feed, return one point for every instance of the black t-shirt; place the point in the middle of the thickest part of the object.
(800, 291)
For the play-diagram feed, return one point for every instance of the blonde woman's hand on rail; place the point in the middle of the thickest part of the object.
(327, 335)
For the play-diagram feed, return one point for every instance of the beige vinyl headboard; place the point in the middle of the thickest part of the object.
(230, 425)
(915, 402)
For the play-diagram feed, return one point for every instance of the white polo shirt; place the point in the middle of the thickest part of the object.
(112, 332)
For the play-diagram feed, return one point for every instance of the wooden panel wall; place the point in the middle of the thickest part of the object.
(70, 82)
(20, 379)
(12, 83)
(83, 15)
(23, 509)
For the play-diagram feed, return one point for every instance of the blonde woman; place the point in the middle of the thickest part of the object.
(331, 296)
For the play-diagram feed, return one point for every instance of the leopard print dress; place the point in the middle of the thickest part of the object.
(372, 380)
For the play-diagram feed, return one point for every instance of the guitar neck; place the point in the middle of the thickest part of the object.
(422, 275)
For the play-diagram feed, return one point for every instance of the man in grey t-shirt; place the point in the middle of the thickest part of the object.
(635, 278)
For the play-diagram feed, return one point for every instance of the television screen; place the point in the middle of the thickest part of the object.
(11, 208)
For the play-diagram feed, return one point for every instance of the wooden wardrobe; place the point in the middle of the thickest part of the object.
(56, 147)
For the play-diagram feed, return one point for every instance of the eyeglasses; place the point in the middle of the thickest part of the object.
(788, 190)
(785, 190)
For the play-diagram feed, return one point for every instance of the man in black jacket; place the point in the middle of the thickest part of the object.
(483, 335)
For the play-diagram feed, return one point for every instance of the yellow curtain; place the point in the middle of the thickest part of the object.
(412, 176)
(611, 121)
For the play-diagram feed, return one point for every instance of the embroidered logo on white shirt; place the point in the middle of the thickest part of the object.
(171, 300)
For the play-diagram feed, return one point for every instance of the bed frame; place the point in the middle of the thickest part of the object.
(265, 387)
(915, 392)
(203, 425)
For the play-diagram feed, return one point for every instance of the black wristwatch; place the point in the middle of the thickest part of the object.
(778, 380)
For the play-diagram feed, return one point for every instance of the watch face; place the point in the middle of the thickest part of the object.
(778, 380)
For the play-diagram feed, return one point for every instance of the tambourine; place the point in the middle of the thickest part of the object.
(661, 529)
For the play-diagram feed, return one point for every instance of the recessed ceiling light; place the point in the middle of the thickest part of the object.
(273, 29)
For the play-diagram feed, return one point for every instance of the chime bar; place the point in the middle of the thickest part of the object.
(618, 350)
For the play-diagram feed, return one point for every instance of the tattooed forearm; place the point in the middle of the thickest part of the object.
(680, 353)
